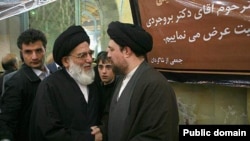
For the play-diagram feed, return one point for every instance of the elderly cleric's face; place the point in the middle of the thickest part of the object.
(117, 57)
(80, 64)
(82, 56)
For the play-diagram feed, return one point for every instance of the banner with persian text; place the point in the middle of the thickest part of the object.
(198, 35)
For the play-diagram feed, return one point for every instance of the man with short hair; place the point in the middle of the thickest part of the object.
(107, 78)
(20, 89)
(9, 64)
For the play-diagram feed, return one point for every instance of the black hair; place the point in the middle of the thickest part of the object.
(10, 64)
(102, 56)
(31, 36)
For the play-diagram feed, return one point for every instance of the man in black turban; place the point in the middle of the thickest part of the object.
(144, 105)
(67, 41)
(130, 35)
(67, 103)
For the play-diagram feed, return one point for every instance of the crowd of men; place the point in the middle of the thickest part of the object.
(117, 96)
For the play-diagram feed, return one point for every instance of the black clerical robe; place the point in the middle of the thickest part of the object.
(146, 110)
(60, 111)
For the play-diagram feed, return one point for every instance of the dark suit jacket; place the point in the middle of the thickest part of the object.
(5, 78)
(2, 79)
(16, 104)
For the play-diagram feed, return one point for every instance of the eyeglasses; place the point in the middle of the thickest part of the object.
(84, 55)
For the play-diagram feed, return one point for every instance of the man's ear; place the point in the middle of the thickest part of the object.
(65, 61)
(127, 51)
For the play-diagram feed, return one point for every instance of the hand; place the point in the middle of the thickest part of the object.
(97, 132)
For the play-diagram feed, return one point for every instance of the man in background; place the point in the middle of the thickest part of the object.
(106, 83)
(20, 89)
(107, 78)
(9, 64)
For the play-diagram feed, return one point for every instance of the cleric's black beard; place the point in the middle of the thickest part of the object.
(118, 71)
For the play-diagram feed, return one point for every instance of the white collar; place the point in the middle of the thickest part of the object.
(41, 74)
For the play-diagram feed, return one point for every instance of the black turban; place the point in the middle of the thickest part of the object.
(135, 37)
(67, 41)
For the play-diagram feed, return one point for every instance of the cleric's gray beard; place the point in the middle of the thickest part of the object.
(81, 76)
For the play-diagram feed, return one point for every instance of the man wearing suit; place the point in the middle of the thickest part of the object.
(20, 89)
